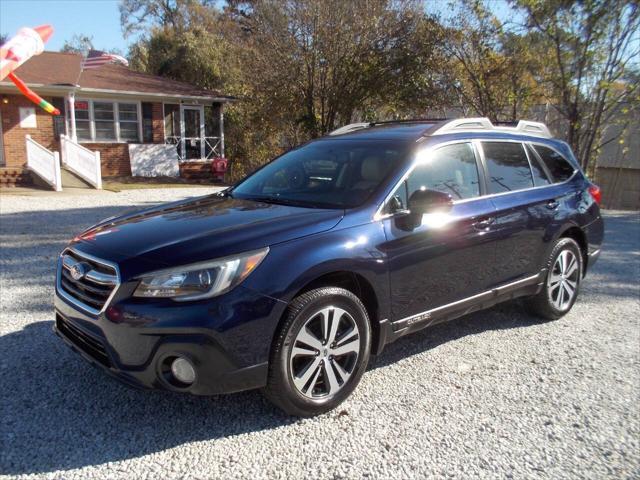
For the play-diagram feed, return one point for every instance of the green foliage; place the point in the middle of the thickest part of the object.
(591, 45)
(301, 68)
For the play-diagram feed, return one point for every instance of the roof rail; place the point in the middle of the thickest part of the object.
(350, 128)
(484, 124)
(357, 126)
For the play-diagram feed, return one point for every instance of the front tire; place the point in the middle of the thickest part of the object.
(320, 353)
(562, 282)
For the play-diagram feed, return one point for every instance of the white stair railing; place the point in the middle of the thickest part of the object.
(44, 163)
(81, 161)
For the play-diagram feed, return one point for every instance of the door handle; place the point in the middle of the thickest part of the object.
(553, 204)
(484, 224)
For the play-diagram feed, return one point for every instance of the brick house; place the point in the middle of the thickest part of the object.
(107, 108)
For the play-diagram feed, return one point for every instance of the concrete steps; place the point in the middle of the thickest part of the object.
(195, 170)
(71, 180)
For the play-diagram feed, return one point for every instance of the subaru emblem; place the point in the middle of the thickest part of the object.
(78, 271)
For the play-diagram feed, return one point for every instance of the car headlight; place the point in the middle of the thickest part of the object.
(200, 280)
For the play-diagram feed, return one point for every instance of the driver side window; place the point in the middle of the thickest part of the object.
(451, 169)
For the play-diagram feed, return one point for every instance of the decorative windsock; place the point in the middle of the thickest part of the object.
(33, 96)
(20, 48)
(17, 50)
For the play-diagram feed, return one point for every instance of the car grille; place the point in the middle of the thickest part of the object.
(87, 343)
(95, 280)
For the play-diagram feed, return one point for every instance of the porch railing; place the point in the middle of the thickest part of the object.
(81, 161)
(211, 146)
(44, 163)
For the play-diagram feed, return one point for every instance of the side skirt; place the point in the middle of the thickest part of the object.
(391, 331)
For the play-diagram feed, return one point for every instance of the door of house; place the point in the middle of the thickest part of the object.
(192, 132)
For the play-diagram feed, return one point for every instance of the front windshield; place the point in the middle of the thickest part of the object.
(325, 174)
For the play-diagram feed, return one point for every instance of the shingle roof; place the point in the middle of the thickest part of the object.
(51, 68)
(57, 68)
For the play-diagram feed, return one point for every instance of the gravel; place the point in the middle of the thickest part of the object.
(493, 394)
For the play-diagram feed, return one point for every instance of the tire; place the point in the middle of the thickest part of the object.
(306, 376)
(547, 303)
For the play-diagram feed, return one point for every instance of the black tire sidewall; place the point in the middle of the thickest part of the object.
(322, 298)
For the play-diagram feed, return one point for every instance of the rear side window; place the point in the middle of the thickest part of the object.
(451, 169)
(508, 167)
(559, 167)
(540, 177)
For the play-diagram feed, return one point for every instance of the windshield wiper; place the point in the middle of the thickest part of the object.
(281, 201)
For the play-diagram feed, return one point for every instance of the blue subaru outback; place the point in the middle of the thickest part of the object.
(290, 280)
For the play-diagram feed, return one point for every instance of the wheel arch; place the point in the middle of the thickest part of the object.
(358, 285)
(576, 233)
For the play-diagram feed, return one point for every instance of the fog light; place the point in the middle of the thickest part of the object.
(183, 371)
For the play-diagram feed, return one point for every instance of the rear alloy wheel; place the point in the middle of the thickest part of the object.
(562, 282)
(320, 353)
(560, 290)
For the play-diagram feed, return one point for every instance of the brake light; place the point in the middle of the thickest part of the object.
(595, 193)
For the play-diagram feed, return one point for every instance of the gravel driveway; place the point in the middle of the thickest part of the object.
(493, 394)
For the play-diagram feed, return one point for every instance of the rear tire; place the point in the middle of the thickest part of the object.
(320, 352)
(562, 282)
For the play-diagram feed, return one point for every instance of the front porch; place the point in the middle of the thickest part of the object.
(110, 109)
(197, 131)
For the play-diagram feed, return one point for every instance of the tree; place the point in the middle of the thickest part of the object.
(140, 15)
(341, 60)
(491, 66)
(300, 67)
(593, 43)
(78, 44)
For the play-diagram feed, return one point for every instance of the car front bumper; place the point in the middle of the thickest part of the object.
(227, 340)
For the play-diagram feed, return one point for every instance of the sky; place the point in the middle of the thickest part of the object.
(97, 18)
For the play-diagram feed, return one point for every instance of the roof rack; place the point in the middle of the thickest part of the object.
(484, 124)
(350, 128)
(358, 126)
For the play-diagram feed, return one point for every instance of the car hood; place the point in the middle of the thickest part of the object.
(201, 229)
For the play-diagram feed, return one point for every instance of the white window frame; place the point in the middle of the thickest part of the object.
(116, 119)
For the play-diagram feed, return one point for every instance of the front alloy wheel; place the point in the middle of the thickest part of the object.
(320, 352)
(325, 353)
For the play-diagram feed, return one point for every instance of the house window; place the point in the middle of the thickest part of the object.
(128, 117)
(83, 122)
(100, 121)
(103, 118)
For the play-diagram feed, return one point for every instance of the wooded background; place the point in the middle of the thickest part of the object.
(304, 67)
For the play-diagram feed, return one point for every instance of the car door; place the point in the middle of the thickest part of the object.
(444, 257)
(523, 213)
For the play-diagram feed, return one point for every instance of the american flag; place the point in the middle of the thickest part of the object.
(97, 58)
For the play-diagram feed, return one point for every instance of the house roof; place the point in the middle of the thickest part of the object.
(64, 69)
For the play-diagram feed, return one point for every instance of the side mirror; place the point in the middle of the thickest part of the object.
(429, 201)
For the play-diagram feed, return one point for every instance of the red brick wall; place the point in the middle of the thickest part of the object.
(158, 122)
(15, 153)
(114, 158)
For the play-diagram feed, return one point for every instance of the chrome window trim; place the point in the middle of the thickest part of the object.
(378, 215)
(75, 301)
